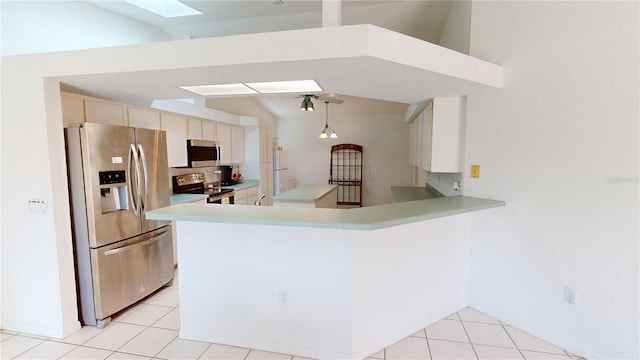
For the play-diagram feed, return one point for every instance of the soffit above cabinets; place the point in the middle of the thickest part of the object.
(359, 60)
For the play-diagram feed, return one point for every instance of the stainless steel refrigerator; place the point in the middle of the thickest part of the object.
(116, 175)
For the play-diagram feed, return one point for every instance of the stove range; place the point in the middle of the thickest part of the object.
(194, 184)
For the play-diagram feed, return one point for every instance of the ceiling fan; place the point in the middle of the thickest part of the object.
(307, 105)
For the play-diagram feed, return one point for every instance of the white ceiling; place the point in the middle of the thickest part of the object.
(420, 19)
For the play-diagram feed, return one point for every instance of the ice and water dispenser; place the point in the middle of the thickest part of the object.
(113, 191)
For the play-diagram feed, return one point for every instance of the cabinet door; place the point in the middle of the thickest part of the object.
(443, 148)
(144, 118)
(72, 109)
(252, 195)
(270, 184)
(195, 128)
(241, 197)
(264, 181)
(177, 132)
(264, 148)
(104, 112)
(237, 144)
(425, 131)
(208, 130)
(269, 145)
(224, 138)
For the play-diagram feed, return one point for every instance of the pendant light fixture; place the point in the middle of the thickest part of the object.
(327, 132)
(306, 105)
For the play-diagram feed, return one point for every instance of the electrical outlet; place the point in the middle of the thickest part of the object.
(283, 298)
(570, 295)
(475, 171)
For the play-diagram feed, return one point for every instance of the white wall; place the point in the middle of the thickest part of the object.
(385, 141)
(455, 34)
(559, 144)
(45, 26)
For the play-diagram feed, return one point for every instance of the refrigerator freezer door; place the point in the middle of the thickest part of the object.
(125, 272)
(100, 153)
(152, 149)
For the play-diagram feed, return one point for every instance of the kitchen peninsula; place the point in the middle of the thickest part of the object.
(321, 283)
(313, 196)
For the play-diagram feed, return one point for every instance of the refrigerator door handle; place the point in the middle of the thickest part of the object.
(137, 245)
(145, 196)
(133, 154)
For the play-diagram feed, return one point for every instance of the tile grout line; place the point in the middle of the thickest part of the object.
(30, 347)
(426, 338)
(205, 350)
(510, 338)
(76, 346)
(164, 347)
(468, 337)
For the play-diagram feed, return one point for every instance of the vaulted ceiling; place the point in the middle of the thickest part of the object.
(420, 19)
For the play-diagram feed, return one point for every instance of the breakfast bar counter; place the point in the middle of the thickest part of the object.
(321, 283)
(318, 196)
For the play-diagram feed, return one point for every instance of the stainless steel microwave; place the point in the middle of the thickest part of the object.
(202, 153)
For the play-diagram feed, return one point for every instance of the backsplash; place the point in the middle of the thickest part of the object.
(443, 182)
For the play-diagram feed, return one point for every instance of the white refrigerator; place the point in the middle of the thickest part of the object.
(280, 171)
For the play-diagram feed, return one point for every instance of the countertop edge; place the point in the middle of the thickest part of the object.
(367, 218)
(185, 198)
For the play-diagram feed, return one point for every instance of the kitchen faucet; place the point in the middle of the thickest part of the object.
(259, 201)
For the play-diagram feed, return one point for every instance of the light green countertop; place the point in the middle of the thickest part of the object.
(366, 218)
(185, 198)
(412, 193)
(247, 183)
(305, 193)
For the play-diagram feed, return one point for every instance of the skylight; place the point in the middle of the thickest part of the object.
(220, 89)
(165, 8)
(271, 87)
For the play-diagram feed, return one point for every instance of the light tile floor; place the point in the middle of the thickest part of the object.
(149, 330)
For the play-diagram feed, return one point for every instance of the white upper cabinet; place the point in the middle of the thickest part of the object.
(104, 112)
(436, 136)
(224, 139)
(208, 130)
(144, 118)
(237, 144)
(72, 109)
(195, 128)
(177, 134)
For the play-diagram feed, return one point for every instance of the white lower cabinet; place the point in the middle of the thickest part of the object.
(252, 195)
(246, 196)
(240, 197)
